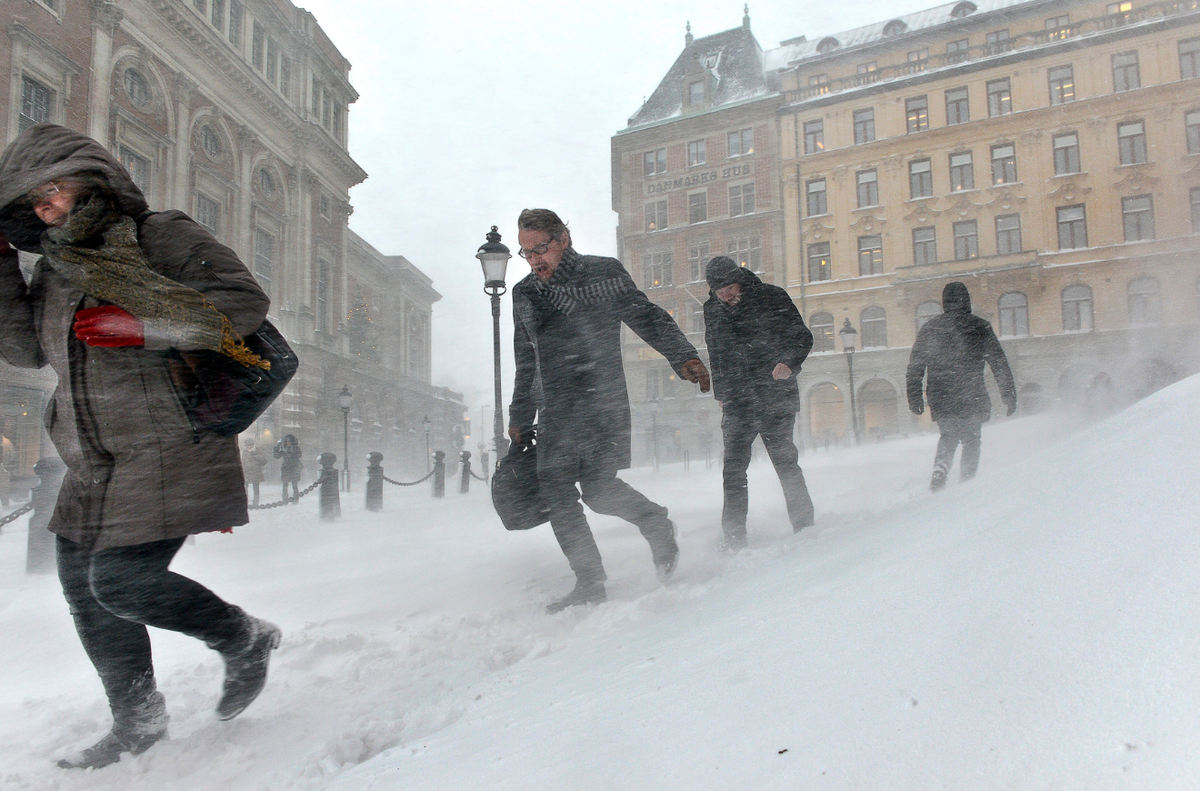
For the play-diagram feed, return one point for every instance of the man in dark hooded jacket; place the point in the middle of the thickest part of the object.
(757, 342)
(117, 291)
(952, 348)
(567, 316)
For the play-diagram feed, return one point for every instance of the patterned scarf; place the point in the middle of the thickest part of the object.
(117, 272)
(566, 298)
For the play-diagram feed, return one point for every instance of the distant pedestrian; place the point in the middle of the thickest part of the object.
(757, 342)
(288, 449)
(253, 463)
(952, 348)
(118, 290)
(567, 316)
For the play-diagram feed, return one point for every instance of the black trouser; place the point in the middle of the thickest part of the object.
(740, 424)
(954, 430)
(116, 593)
(295, 489)
(604, 493)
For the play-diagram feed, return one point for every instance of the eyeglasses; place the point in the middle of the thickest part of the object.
(529, 252)
(41, 194)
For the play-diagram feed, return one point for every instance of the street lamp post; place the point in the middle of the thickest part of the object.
(493, 257)
(847, 332)
(346, 400)
(425, 423)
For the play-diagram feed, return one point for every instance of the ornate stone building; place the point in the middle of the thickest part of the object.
(1044, 152)
(235, 111)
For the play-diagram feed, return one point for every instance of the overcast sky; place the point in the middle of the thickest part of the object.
(471, 111)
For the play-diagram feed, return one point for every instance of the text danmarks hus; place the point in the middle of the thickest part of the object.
(696, 179)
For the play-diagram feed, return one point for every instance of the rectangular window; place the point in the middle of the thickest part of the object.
(36, 100)
(323, 277)
(656, 216)
(866, 68)
(997, 41)
(966, 240)
(1077, 309)
(697, 316)
(698, 207)
(741, 143)
(236, 14)
(695, 153)
(285, 75)
(1137, 215)
(316, 99)
(272, 60)
(1066, 154)
(327, 109)
(814, 136)
(916, 112)
(326, 207)
(1062, 84)
(1008, 234)
(868, 188)
(924, 246)
(920, 179)
(1120, 10)
(138, 167)
(958, 109)
(1195, 196)
(1004, 164)
(1058, 27)
(1191, 126)
(264, 259)
(817, 203)
(746, 251)
(696, 93)
(257, 46)
(698, 254)
(1189, 59)
(1126, 76)
(919, 56)
(870, 255)
(657, 269)
(962, 172)
(654, 163)
(208, 214)
(957, 51)
(218, 14)
(1131, 142)
(819, 265)
(817, 80)
(1072, 227)
(864, 125)
(741, 199)
(999, 97)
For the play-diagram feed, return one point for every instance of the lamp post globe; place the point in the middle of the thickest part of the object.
(493, 256)
(346, 400)
(848, 335)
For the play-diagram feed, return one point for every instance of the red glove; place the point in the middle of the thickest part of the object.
(109, 325)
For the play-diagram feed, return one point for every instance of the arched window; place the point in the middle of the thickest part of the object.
(1077, 309)
(210, 141)
(828, 44)
(874, 327)
(1014, 315)
(963, 9)
(136, 88)
(1145, 302)
(821, 325)
(926, 311)
(894, 28)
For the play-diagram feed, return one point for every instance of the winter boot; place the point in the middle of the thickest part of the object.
(938, 482)
(585, 592)
(246, 669)
(733, 540)
(133, 732)
(665, 552)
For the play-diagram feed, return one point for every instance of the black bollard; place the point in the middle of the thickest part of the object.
(39, 548)
(439, 474)
(331, 503)
(375, 482)
(464, 487)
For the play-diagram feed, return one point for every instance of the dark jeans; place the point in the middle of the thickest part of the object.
(116, 593)
(954, 430)
(740, 424)
(604, 493)
(295, 490)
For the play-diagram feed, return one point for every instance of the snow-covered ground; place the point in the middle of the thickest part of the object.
(1036, 628)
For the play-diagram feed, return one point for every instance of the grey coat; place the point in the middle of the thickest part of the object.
(137, 469)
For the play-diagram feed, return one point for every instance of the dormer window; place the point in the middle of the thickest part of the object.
(963, 9)
(828, 44)
(894, 28)
(710, 60)
(696, 92)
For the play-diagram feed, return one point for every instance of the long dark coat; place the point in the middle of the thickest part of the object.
(953, 348)
(746, 342)
(137, 470)
(569, 369)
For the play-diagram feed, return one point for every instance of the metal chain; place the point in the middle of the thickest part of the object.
(290, 500)
(478, 477)
(414, 483)
(17, 514)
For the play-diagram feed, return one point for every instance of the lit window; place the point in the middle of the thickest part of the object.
(1062, 84)
(657, 269)
(916, 111)
(864, 125)
(746, 251)
(741, 142)
(870, 255)
(962, 172)
(966, 240)
(1004, 164)
(819, 264)
(654, 162)
(656, 216)
(814, 136)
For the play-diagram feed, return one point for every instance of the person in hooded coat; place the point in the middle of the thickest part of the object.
(567, 316)
(757, 342)
(253, 463)
(288, 449)
(948, 357)
(117, 292)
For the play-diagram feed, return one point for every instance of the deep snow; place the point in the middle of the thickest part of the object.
(1034, 628)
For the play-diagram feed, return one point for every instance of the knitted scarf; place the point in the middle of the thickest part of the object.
(116, 271)
(567, 297)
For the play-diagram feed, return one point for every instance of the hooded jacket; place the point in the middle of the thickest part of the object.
(952, 349)
(747, 340)
(137, 469)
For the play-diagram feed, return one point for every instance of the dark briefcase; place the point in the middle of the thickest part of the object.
(515, 492)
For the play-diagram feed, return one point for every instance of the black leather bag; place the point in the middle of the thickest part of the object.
(223, 396)
(515, 492)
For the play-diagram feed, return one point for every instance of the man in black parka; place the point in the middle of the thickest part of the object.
(567, 316)
(757, 342)
(952, 348)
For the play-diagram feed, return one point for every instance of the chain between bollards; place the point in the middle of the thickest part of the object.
(17, 514)
(414, 483)
(288, 501)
